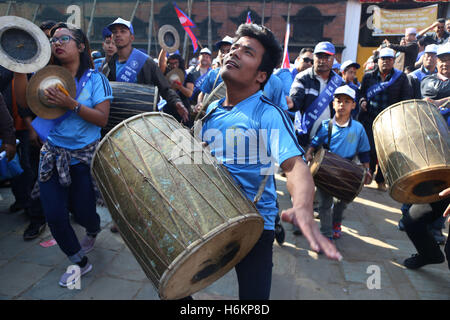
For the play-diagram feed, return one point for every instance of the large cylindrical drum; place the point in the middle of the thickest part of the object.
(413, 150)
(180, 212)
(337, 176)
(129, 100)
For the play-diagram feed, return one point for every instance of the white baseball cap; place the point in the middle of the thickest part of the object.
(349, 63)
(124, 22)
(410, 31)
(205, 50)
(443, 49)
(345, 90)
(387, 53)
(431, 48)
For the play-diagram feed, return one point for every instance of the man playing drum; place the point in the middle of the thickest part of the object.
(348, 139)
(246, 114)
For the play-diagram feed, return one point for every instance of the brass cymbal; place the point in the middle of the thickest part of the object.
(47, 77)
(24, 47)
(175, 75)
(168, 38)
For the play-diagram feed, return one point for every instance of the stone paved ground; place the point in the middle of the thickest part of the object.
(370, 241)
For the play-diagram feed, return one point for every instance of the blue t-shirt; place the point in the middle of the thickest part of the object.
(210, 78)
(248, 140)
(287, 77)
(120, 66)
(74, 132)
(273, 90)
(345, 141)
(98, 63)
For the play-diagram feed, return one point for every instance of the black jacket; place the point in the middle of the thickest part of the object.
(400, 90)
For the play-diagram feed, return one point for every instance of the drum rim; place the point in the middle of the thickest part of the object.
(419, 200)
(399, 104)
(317, 161)
(194, 247)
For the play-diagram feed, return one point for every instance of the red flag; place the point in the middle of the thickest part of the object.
(184, 19)
(286, 64)
(249, 19)
(187, 24)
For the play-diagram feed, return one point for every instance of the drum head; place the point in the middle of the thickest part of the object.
(421, 186)
(316, 161)
(201, 265)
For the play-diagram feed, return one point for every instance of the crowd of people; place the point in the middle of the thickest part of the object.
(319, 102)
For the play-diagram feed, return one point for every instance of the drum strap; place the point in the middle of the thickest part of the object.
(327, 146)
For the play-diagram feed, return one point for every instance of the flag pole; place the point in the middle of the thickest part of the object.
(209, 26)
(150, 28)
(190, 3)
(134, 11)
(263, 11)
(88, 33)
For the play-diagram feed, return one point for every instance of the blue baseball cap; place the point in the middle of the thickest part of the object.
(325, 47)
(122, 22)
(106, 33)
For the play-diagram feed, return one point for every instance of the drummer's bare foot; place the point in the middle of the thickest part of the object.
(381, 186)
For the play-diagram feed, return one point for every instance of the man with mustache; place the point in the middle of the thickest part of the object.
(245, 113)
(312, 93)
(381, 88)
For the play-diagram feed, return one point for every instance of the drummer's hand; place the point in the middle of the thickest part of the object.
(58, 98)
(182, 111)
(305, 221)
(34, 138)
(369, 177)
(309, 156)
(10, 150)
(198, 107)
(430, 100)
(363, 106)
(446, 193)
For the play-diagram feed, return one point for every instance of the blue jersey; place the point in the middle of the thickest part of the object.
(208, 83)
(74, 132)
(287, 77)
(248, 140)
(274, 91)
(345, 141)
(98, 64)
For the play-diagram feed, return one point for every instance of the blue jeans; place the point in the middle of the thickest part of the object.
(254, 272)
(80, 196)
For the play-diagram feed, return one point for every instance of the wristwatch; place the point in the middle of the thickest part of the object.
(77, 108)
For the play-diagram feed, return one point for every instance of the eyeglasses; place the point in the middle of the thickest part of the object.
(307, 60)
(62, 40)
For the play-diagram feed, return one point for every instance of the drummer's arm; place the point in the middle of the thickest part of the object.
(20, 89)
(162, 61)
(300, 185)
(437, 103)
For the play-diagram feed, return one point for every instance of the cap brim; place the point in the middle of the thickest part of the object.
(324, 51)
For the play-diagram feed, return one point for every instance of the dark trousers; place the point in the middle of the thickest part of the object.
(80, 196)
(367, 122)
(21, 185)
(254, 272)
(36, 213)
(416, 221)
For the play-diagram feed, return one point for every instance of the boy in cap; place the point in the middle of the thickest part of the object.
(109, 48)
(348, 139)
(348, 72)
